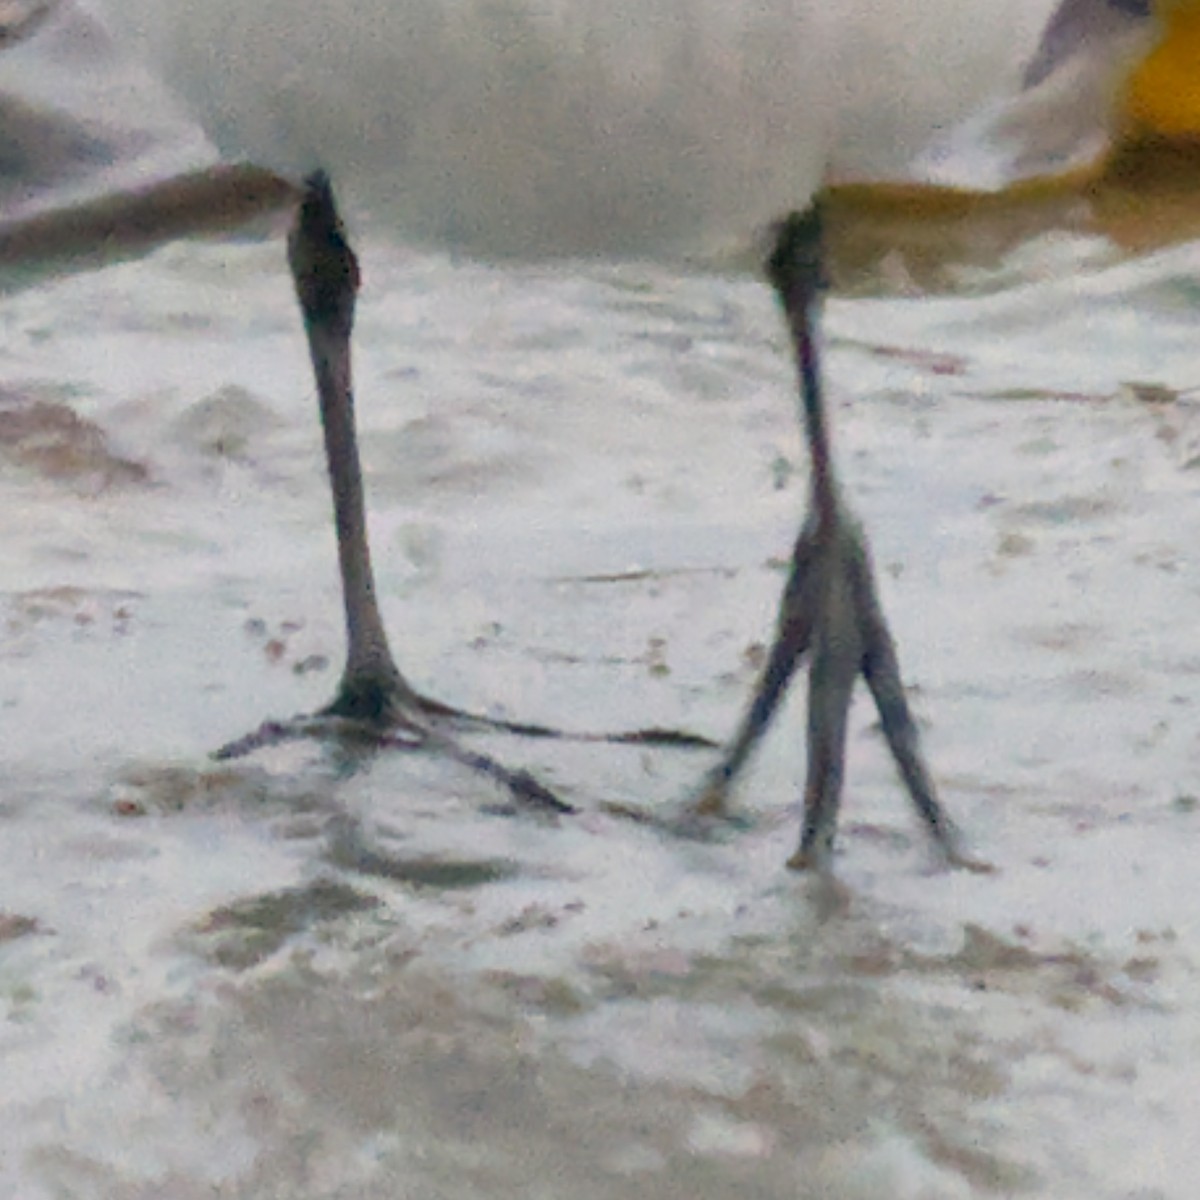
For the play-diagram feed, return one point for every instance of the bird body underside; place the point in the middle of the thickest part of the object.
(541, 128)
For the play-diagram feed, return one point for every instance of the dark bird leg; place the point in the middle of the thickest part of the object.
(830, 609)
(374, 700)
(326, 275)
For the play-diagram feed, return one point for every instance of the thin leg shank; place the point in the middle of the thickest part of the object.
(326, 276)
(830, 609)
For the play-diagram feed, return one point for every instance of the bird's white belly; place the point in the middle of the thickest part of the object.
(535, 128)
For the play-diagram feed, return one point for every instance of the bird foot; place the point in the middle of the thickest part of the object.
(831, 618)
(374, 717)
(376, 709)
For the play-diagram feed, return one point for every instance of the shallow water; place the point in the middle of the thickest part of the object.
(318, 975)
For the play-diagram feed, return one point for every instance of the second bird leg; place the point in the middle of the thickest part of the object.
(830, 610)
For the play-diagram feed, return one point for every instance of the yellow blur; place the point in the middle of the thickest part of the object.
(1144, 194)
(1162, 97)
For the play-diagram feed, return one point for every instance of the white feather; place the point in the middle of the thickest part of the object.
(534, 128)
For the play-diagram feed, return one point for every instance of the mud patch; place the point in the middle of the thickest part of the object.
(1066, 510)
(1068, 976)
(349, 850)
(401, 1079)
(930, 362)
(229, 424)
(42, 433)
(14, 926)
(1065, 637)
(243, 934)
(166, 790)
(102, 609)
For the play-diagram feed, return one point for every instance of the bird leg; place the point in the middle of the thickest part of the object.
(830, 610)
(374, 701)
(325, 271)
